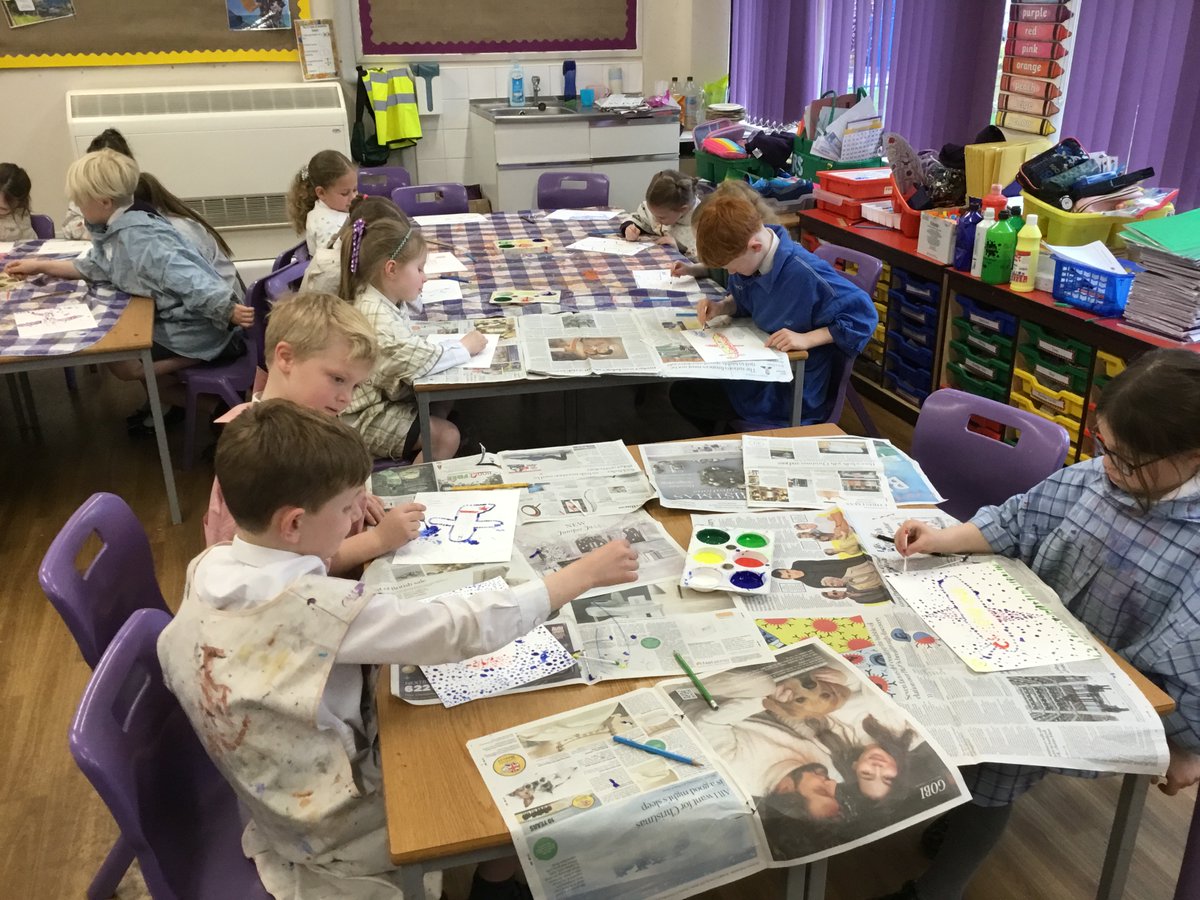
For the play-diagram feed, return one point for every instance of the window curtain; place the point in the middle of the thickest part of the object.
(1133, 89)
(774, 57)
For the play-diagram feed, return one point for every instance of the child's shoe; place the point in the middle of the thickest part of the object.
(509, 889)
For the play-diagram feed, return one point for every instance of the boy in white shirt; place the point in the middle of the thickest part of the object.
(270, 657)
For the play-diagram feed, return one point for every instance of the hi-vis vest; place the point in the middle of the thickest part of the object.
(394, 101)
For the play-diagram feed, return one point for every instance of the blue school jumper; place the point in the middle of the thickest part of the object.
(801, 292)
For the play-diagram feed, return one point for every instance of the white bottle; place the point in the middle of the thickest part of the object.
(691, 104)
(988, 220)
(516, 85)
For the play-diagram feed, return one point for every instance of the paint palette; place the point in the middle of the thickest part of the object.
(720, 560)
(521, 246)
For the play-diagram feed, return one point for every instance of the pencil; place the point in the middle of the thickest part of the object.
(656, 751)
(489, 487)
(695, 680)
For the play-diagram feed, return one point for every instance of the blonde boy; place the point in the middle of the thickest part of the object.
(318, 349)
(269, 656)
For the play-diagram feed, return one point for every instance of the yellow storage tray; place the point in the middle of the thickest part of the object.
(1110, 366)
(1063, 403)
(1072, 425)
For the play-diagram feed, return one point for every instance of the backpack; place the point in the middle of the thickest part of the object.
(365, 149)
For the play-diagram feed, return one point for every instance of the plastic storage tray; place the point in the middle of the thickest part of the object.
(979, 365)
(917, 313)
(1075, 229)
(987, 318)
(965, 381)
(1110, 366)
(1103, 293)
(918, 288)
(913, 354)
(921, 335)
(902, 389)
(1065, 403)
(1064, 349)
(859, 184)
(1073, 427)
(981, 340)
(1053, 372)
(917, 376)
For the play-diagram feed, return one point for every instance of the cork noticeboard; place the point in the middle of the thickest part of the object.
(403, 27)
(144, 32)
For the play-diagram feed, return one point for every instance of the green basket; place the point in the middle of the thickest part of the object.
(972, 385)
(981, 341)
(716, 169)
(981, 366)
(1053, 372)
(806, 165)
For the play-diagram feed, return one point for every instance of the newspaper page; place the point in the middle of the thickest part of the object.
(848, 635)
(400, 484)
(592, 819)
(810, 473)
(908, 482)
(876, 532)
(665, 329)
(817, 564)
(549, 546)
(507, 363)
(828, 760)
(596, 342)
(699, 475)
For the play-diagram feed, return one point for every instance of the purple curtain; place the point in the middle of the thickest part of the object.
(774, 49)
(1133, 89)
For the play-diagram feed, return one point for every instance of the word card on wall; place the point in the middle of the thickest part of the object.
(1040, 38)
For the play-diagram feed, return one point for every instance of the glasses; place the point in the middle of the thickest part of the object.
(1120, 463)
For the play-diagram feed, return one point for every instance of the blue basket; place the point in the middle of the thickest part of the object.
(1097, 291)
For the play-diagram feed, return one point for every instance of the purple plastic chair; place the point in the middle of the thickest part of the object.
(1188, 885)
(228, 380)
(118, 581)
(135, 745)
(973, 470)
(291, 255)
(432, 199)
(43, 226)
(571, 190)
(380, 181)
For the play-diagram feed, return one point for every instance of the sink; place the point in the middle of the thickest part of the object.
(510, 112)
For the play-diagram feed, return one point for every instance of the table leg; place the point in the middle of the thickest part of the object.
(412, 881)
(160, 433)
(14, 390)
(426, 431)
(797, 391)
(35, 424)
(807, 882)
(1123, 837)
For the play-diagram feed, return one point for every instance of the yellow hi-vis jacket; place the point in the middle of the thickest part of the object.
(394, 101)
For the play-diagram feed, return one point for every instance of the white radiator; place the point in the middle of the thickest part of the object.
(230, 151)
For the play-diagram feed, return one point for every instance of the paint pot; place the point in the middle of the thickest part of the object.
(718, 560)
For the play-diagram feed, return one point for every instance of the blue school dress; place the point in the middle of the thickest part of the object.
(803, 293)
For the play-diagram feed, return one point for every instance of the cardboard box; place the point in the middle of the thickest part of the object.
(936, 238)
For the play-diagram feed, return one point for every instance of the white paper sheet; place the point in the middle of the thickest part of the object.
(663, 280)
(443, 263)
(440, 290)
(567, 215)
(528, 658)
(1096, 255)
(733, 344)
(482, 359)
(464, 527)
(77, 247)
(71, 315)
(608, 245)
(450, 219)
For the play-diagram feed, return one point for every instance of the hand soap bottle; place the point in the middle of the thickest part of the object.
(569, 79)
(516, 85)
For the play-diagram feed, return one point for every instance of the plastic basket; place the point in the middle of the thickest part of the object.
(987, 318)
(881, 212)
(1103, 293)
(980, 365)
(965, 381)
(904, 390)
(806, 165)
(1071, 229)
(1065, 349)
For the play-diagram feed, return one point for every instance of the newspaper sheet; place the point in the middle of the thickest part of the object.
(909, 484)
(591, 818)
(597, 342)
(699, 475)
(549, 546)
(401, 484)
(665, 330)
(876, 533)
(506, 364)
(813, 472)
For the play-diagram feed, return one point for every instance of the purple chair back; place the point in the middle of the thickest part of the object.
(1188, 885)
(135, 745)
(973, 470)
(43, 226)
(432, 199)
(571, 190)
(291, 255)
(118, 581)
(868, 267)
(380, 181)
(284, 281)
(230, 381)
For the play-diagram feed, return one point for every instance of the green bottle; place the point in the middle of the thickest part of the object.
(1018, 220)
(1000, 244)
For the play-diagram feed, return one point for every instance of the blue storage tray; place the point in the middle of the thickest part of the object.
(913, 354)
(927, 292)
(913, 395)
(912, 375)
(912, 311)
(983, 316)
(917, 335)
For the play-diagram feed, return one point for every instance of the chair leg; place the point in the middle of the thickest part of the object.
(860, 410)
(189, 432)
(72, 384)
(111, 871)
(1188, 886)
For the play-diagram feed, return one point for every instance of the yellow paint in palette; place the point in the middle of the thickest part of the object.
(709, 557)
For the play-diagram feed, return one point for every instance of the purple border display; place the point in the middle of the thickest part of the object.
(628, 41)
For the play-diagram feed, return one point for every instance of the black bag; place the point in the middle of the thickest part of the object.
(365, 149)
(772, 147)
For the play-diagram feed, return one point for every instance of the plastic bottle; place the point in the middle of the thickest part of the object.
(568, 79)
(516, 85)
(1025, 259)
(998, 249)
(981, 230)
(677, 96)
(995, 200)
(964, 237)
(690, 104)
(1018, 218)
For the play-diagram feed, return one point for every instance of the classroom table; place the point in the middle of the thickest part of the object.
(441, 815)
(129, 338)
(588, 281)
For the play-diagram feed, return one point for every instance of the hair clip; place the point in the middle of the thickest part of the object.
(403, 241)
(356, 233)
(304, 173)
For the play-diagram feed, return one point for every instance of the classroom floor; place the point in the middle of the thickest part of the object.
(57, 830)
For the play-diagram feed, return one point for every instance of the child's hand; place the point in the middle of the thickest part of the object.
(474, 341)
(632, 232)
(373, 511)
(242, 316)
(679, 268)
(666, 240)
(918, 536)
(707, 310)
(785, 339)
(22, 267)
(1183, 771)
(614, 563)
(399, 525)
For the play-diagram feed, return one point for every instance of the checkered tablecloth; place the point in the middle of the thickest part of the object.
(105, 302)
(586, 280)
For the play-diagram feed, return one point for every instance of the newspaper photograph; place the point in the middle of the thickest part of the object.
(550, 546)
(665, 330)
(908, 482)
(507, 363)
(401, 484)
(698, 475)
(813, 472)
(828, 761)
(848, 635)
(596, 342)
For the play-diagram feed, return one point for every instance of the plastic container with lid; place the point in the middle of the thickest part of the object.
(860, 184)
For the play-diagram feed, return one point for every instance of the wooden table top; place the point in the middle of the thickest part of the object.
(438, 806)
(133, 331)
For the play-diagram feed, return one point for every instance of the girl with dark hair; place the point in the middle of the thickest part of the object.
(15, 224)
(1118, 538)
(665, 216)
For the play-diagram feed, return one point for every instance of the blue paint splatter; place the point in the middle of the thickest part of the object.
(471, 541)
(429, 531)
(323, 653)
(613, 783)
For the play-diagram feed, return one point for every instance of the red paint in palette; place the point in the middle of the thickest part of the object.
(749, 562)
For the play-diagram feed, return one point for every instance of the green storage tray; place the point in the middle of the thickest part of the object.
(715, 169)
(1053, 372)
(1064, 349)
(984, 342)
(806, 165)
(988, 368)
(965, 381)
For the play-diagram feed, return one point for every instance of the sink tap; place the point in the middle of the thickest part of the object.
(537, 85)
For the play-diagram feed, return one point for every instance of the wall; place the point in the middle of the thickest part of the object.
(673, 34)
